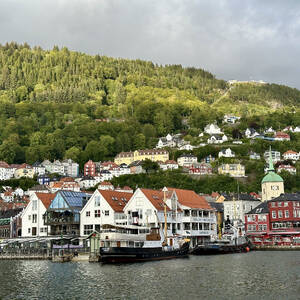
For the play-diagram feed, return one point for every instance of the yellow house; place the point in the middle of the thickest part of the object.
(234, 170)
(24, 170)
(152, 154)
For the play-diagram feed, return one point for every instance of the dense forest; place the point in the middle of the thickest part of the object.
(58, 104)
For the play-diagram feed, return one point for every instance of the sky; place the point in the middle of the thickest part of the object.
(233, 39)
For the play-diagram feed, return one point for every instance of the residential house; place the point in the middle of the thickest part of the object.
(291, 169)
(186, 160)
(297, 129)
(269, 130)
(212, 129)
(169, 140)
(87, 182)
(33, 215)
(291, 155)
(233, 170)
(152, 154)
(201, 169)
(6, 172)
(43, 179)
(136, 167)
(63, 214)
(104, 207)
(24, 170)
(226, 153)
(217, 139)
(229, 119)
(168, 165)
(187, 146)
(91, 168)
(251, 133)
(39, 188)
(105, 175)
(105, 185)
(66, 183)
(254, 155)
(71, 168)
(281, 136)
(39, 169)
(275, 156)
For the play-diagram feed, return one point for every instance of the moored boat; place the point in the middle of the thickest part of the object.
(121, 246)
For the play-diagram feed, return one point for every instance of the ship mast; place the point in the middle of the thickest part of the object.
(165, 214)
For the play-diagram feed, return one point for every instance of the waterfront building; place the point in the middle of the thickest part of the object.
(272, 184)
(10, 223)
(104, 207)
(152, 154)
(63, 214)
(237, 205)
(233, 170)
(32, 216)
(275, 222)
(188, 214)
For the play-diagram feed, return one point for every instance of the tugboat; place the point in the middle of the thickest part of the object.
(123, 244)
(232, 241)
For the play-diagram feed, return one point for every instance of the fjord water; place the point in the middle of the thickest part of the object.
(255, 275)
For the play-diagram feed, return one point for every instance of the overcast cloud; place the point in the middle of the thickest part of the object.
(233, 39)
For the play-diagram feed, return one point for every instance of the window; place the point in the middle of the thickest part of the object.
(286, 213)
(29, 230)
(34, 205)
(88, 214)
(97, 213)
(187, 226)
(273, 204)
(87, 229)
(273, 214)
(285, 204)
(34, 218)
(97, 200)
(29, 217)
(106, 212)
(279, 204)
(280, 214)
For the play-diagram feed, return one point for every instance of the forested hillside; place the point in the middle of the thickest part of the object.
(59, 103)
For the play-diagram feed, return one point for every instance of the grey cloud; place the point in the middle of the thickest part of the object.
(231, 38)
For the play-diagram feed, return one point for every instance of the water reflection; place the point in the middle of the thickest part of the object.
(265, 275)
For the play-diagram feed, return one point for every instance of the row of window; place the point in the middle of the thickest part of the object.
(261, 227)
(280, 214)
(97, 213)
(32, 217)
(260, 218)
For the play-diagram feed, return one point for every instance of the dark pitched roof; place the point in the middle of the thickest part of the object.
(217, 206)
(241, 197)
(260, 209)
(288, 197)
(4, 214)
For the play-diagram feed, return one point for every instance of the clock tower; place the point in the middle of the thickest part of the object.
(272, 184)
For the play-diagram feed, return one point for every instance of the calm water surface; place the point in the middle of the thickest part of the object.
(256, 275)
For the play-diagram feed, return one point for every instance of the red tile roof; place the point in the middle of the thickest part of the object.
(156, 198)
(116, 200)
(46, 198)
(191, 199)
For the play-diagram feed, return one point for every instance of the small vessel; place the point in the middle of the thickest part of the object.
(232, 241)
(123, 244)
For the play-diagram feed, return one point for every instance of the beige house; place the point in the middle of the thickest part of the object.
(233, 170)
(152, 154)
(24, 170)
